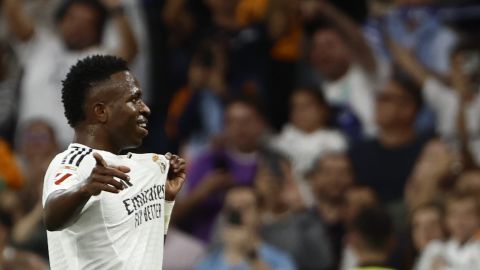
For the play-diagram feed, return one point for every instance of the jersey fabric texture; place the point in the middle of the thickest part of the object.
(113, 231)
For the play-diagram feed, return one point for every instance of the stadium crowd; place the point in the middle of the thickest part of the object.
(319, 134)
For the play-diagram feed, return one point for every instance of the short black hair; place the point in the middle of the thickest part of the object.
(314, 91)
(96, 5)
(407, 83)
(251, 101)
(80, 79)
(375, 227)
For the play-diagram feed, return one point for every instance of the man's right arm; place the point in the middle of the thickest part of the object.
(19, 23)
(64, 206)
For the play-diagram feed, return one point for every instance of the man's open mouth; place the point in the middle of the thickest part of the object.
(142, 123)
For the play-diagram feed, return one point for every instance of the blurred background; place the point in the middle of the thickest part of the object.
(318, 134)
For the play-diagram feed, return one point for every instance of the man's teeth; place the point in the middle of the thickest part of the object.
(143, 125)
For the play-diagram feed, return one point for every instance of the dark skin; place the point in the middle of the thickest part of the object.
(115, 120)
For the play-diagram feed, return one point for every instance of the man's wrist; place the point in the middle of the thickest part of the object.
(82, 191)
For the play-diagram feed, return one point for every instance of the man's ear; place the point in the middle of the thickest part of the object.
(100, 112)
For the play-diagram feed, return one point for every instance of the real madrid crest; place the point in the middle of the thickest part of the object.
(163, 166)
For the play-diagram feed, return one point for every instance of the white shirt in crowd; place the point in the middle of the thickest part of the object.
(454, 255)
(357, 89)
(349, 259)
(445, 102)
(46, 61)
(114, 231)
(304, 149)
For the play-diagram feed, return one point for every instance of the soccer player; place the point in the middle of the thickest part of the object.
(103, 210)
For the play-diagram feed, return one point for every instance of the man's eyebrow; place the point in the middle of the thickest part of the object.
(136, 93)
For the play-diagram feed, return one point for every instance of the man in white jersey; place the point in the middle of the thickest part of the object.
(103, 210)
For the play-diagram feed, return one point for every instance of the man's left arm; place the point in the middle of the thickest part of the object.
(175, 179)
(128, 47)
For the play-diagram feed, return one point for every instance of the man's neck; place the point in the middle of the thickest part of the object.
(93, 140)
(396, 137)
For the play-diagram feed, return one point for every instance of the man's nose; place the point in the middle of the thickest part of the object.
(144, 109)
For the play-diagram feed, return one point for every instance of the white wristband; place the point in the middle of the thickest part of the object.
(167, 213)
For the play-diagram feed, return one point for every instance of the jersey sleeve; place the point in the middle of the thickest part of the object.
(61, 176)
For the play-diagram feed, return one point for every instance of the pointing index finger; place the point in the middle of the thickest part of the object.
(100, 160)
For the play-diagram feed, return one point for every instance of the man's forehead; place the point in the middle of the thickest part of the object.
(119, 82)
(123, 77)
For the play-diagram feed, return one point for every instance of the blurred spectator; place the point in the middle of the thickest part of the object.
(37, 146)
(10, 74)
(247, 46)
(11, 258)
(196, 110)
(243, 247)
(371, 236)
(469, 181)
(10, 174)
(140, 64)
(314, 236)
(461, 250)
(457, 105)
(427, 225)
(46, 56)
(348, 68)
(385, 163)
(284, 27)
(220, 168)
(415, 24)
(178, 243)
(275, 188)
(251, 11)
(432, 174)
(357, 198)
(307, 136)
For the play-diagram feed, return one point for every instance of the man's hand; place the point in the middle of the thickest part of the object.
(176, 176)
(102, 178)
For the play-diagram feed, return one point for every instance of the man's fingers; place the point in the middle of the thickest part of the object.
(99, 159)
(123, 169)
(110, 181)
(107, 188)
(177, 163)
(110, 171)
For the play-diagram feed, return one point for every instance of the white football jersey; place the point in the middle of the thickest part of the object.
(113, 231)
